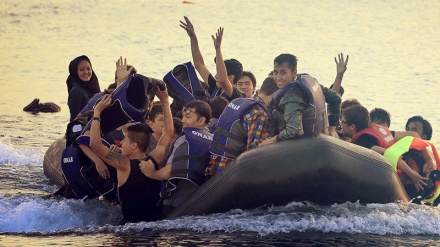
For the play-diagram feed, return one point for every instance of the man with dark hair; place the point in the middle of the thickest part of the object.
(381, 117)
(137, 193)
(419, 125)
(247, 84)
(241, 126)
(228, 71)
(217, 105)
(301, 101)
(184, 170)
(355, 123)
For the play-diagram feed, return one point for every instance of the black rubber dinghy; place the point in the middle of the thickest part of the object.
(52, 162)
(323, 170)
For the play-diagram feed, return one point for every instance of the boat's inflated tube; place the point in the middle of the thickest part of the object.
(323, 170)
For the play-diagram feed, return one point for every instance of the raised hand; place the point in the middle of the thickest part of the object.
(188, 26)
(341, 65)
(218, 38)
(162, 95)
(105, 101)
(121, 70)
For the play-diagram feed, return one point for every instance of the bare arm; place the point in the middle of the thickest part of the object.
(198, 61)
(99, 164)
(418, 180)
(341, 67)
(159, 153)
(222, 75)
(116, 160)
(400, 134)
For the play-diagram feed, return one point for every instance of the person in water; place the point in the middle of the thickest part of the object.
(292, 101)
(228, 71)
(356, 124)
(241, 127)
(247, 84)
(82, 84)
(188, 158)
(138, 194)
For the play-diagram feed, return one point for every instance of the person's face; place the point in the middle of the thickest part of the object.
(283, 75)
(190, 118)
(84, 71)
(416, 126)
(347, 129)
(126, 147)
(157, 124)
(245, 86)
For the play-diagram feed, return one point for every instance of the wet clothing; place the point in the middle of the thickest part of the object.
(139, 195)
(79, 91)
(213, 88)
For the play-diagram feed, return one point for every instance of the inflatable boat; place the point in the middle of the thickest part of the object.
(322, 170)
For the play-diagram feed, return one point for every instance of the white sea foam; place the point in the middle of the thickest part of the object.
(12, 154)
(28, 213)
(353, 218)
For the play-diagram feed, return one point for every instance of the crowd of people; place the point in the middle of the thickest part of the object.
(162, 160)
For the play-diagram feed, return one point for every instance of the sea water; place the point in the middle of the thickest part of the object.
(394, 61)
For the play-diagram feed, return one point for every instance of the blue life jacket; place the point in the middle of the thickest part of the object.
(217, 91)
(92, 102)
(229, 137)
(314, 117)
(191, 158)
(223, 94)
(184, 85)
(130, 101)
(80, 173)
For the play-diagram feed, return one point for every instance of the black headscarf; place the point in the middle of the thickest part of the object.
(91, 87)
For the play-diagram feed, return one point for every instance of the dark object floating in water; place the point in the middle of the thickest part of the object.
(35, 106)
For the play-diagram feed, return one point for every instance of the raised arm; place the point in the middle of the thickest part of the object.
(198, 61)
(159, 153)
(121, 70)
(222, 75)
(116, 160)
(341, 67)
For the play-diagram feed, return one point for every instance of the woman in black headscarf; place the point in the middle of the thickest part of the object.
(82, 84)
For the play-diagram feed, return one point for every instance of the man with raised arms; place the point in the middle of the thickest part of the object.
(228, 71)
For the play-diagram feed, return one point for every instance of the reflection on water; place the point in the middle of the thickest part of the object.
(189, 238)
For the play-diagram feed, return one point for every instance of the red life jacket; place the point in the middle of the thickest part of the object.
(382, 134)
